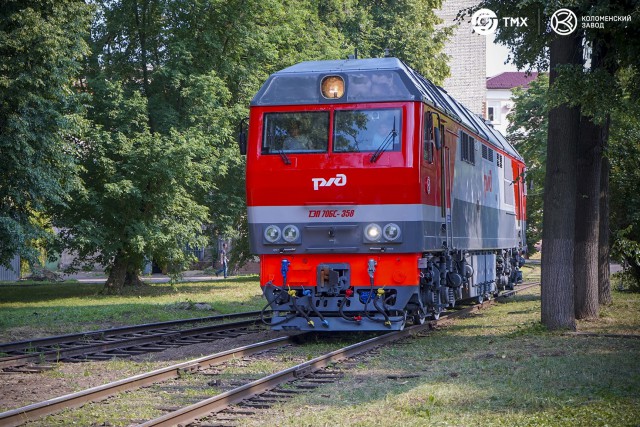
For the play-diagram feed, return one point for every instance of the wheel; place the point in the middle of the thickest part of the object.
(480, 299)
(435, 315)
(419, 317)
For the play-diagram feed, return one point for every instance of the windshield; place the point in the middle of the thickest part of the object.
(302, 132)
(367, 130)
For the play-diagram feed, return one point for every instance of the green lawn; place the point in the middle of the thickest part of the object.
(36, 310)
(499, 367)
(496, 368)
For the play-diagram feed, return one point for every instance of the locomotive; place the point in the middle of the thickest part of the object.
(375, 199)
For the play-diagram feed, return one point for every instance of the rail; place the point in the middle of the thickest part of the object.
(222, 401)
(121, 342)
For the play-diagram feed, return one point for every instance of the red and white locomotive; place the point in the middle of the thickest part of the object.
(374, 197)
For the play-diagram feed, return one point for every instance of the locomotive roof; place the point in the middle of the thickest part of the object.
(370, 80)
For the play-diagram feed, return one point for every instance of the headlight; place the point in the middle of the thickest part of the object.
(391, 231)
(291, 233)
(372, 232)
(272, 233)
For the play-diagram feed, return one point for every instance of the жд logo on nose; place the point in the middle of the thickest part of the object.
(339, 180)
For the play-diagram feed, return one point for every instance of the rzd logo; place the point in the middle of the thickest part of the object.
(339, 180)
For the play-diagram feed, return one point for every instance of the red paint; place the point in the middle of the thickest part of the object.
(393, 179)
(488, 182)
(395, 269)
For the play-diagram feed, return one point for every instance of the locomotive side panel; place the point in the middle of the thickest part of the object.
(484, 215)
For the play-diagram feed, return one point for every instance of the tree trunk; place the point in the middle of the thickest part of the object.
(117, 274)
(132, 278)
(604, 269)
(588, 161)
(123, 273)
(558, 233)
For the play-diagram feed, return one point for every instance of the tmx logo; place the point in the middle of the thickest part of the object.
(485, 21)
(339, 180)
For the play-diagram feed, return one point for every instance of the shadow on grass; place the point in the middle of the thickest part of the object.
(537, 375)
(519, 298)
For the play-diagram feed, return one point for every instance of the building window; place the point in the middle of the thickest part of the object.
(468, 151)
(490, 111)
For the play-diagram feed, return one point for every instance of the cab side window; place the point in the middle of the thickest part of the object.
(428, 139)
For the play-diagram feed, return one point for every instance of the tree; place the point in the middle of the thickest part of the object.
(42, 44)
(587, 227)
(166, 84)
(558, 231)
(623, 153)
(136, 201)
(596, 92)
(528, 133)
(604, 248)
(405, 29)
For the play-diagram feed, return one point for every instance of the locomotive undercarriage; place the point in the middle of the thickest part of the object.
(462, 276)
(335, 305)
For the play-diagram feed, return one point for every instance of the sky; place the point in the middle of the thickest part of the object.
(496, 56)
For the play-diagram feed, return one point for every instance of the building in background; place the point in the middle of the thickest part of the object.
(499, 90)
(13, 273)
(467, 58)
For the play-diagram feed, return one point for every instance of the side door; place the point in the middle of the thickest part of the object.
(447, 153)
(430, 183)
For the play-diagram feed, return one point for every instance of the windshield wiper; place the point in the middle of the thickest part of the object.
(284, 157)
(383, 145)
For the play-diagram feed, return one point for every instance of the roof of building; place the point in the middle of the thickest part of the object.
(370, 80)
(510, 79)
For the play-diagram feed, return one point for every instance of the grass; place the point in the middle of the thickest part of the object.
(49, 309)
(497, 368)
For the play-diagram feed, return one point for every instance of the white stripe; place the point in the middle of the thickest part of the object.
(361, 213)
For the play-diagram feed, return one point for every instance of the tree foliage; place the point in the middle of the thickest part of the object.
(42, 44)
(136, 198)
(405, 29)
(528, 122)
(587, 80)
(623, 153)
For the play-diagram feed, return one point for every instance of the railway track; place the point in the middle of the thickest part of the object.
(32, 355)
(243, 400)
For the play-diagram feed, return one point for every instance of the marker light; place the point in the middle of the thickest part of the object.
(272, 233)
(373, 232)
(332, 87)
(391, 231)
(290, 233)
